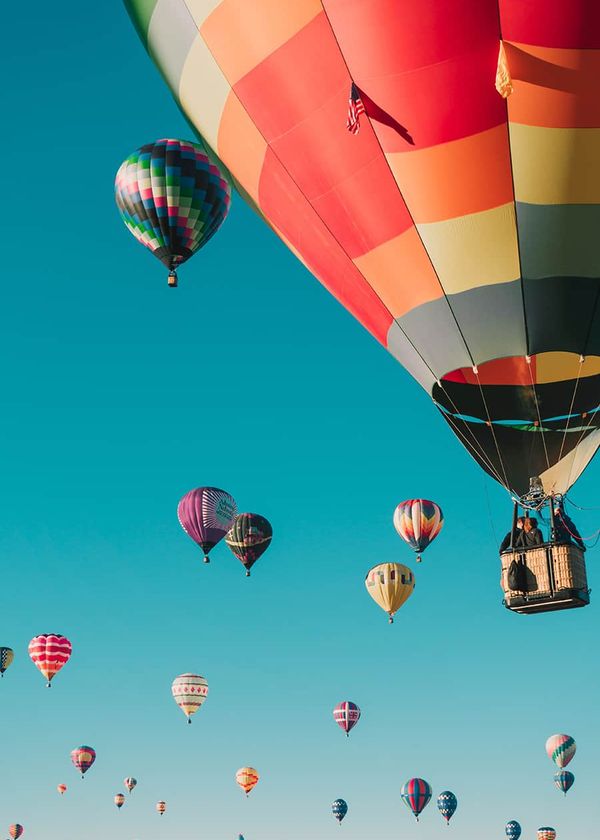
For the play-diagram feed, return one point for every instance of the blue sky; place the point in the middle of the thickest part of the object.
(120, 395)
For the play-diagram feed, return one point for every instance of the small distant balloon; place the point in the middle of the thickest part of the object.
(6, 657)
(16, 831)
(340, 809)
(513, 830)
(546, 833)
(83, 757)
(130, 783)
(447, 804)
(346, 714)
(564, 780)
(247, 778)
(119, 800)
(189, 692)
(61, 789)
(418, 522)
(206, 514)
(416, 794)
(561, 749)
(161, 807)
(49, 653)
(249, 538)
(390, 585)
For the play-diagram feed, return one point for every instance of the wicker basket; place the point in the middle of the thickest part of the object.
(555, 578)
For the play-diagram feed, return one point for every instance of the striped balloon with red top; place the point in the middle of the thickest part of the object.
(418, 522)
(346, 715)
(16, 831)
(49, 652)
(416, 794)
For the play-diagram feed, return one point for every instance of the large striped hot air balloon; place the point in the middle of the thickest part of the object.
(130, 783)
(564, 780)
(50, 652)
(247, 778)
(339, 809)
(249, 538)
(172, 198)
(16, 831)
(459, 224)
(447, 804)
(189, 692)
(6, 657)
(119, 800)
(61, 789)
(83, 757)
(546, 833)
(346, 714)
(513, 830)
(161, 807)
(418, 522)
(206, 514)
(416, 794)
(561, 749)
(390, 585)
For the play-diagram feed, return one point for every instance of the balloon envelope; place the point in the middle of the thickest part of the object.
(83, 757)
(130, 783)
(339, 809)
(161, 807)
(447, 804)
(546, 833)
(49, 653)
(346, 714)
(513, 830)
(172, 198)
(418, 522)
(119, 800)
(416, 794)
(189, 692)
(247, 778)
(16, 831)
(561, 749)
(6, 657)
(390, 585)
(564, 780)
(206, 514)
(61, 789)
(462, 235)
(249, 538)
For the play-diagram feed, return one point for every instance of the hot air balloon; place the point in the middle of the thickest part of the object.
(61, 789)
(247, 778)
(546, 833)
(249, 538)
(416, 794)
(49, 653)
(390, 585)
(16, 831)
(206, 514)
(161, 807)
(6, 657)
(456, 219)
(130, 783)
(564, 780)
(418, 522)
(189, 692)
(447, 804)
(561, 749)
(119, 800)
(340, 809)
(513, 830)
(346, 715)
(172, 198)
(83, 757)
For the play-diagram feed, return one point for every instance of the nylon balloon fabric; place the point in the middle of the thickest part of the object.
(83, 757)
(49, 652)
(416, 794)
(172, 198)
(247, 778)
(459, 226)
(206, 514)
(189, 692)
(546, 833)
(447, 804)
(513, 830)
(346, 715)
(339, 809)
(418, 522)
(564, 781)
(6, 658)
(249, 538)
(390, 585)
(561, 749)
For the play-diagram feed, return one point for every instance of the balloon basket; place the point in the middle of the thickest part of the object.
(206, 559)
(172, 280)
(247, 573)
(553, 578)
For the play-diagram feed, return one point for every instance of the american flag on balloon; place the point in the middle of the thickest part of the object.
(355, 109)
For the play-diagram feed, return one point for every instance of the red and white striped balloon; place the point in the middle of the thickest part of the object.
(49, 652)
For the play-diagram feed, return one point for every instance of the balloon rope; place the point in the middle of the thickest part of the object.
(537, 408)
(491, 426)
(593, 536)
(581, 360)
(478, 448)
(581, 436)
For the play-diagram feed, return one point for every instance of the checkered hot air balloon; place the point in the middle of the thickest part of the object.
(561, 749)
(61, 789)
(206, 514)
(83, 757)
(189, 692)
(6, 657)
(172, 198)
(249, 538)
(513, 830)
(161, 807)
(130, 783)
(416, 794)
(339, 809)
(564, 780)
(390, 585)
(49, 653)
(418, 522)
(16, 831)
(119, 800)
(546, 833)
(447, 804)
(346, 714)
(247, 778)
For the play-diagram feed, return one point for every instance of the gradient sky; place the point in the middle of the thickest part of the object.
(119, 396)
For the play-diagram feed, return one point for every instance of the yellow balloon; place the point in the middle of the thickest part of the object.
(390, 585)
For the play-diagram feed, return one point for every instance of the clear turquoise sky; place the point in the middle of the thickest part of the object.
(119, 395)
